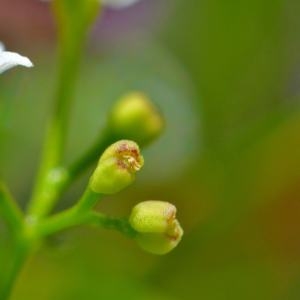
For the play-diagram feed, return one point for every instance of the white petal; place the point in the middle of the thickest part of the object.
(2, 47)
(118, 3)
(12, 59)
(113, 3)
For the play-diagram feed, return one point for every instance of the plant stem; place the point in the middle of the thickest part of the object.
(47, 186)
(22, 248)
(87, 201)
(83, 163)
(10, 210)
(75, 215)
(91, 155)
(81, 213)
(122, 225)
(73, 20)
(62, 221)
(71, 218)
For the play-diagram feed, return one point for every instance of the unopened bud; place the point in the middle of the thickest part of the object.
(116, 167)
(158, 230)
(152, 216)
(135, 117)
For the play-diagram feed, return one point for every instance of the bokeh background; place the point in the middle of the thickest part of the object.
(227, 76)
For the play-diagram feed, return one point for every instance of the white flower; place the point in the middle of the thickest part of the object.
(118, 3)
(113, 3)
(11, 59)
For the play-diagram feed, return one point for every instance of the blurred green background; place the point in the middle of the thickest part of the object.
(226, 75)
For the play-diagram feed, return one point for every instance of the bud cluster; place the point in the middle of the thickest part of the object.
(134, 117)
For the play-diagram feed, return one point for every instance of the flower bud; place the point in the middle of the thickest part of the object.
(116, 167)
(152, 216)
(158, 230)
(135, 117)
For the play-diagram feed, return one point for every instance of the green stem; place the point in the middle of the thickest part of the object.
(64, 177)
(71, 218)
(121, 225)
(62, 221)
(48, 185)
(73, 20)
(87, 201)
(10, 210)
(91, 155)
(81, 213)
(59, 179)
(75, 215)
(21, 251)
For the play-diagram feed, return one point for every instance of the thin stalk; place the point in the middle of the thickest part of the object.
(73, 19)
(76, 215)
(71, 218)
(47, 185)
(91, 155)
(122, 225)
(21, 252)
(81, 213)
(87, 201)
(10, 210)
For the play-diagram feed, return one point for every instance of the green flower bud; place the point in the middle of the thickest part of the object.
(135, 117)
(158, 230)
(152, 216)
(159, 243)
(116, 167)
